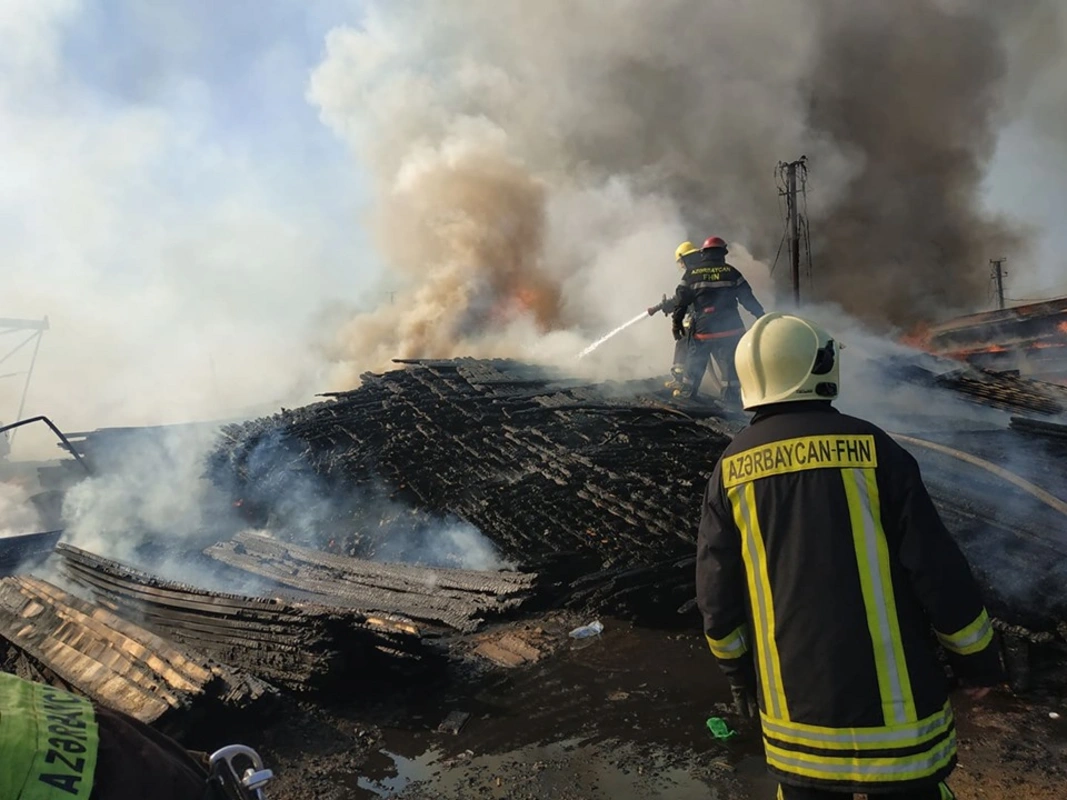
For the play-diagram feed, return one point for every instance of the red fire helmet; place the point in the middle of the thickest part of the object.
(714, 241)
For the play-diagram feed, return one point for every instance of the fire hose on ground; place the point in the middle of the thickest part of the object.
(1048, 499)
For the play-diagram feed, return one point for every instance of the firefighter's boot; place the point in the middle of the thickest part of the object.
(677, 378)
(731, 397)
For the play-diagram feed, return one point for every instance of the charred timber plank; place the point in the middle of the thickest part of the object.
(1040, 427)
(303, 646)
(455, 613)
(401, 576)
(113, 661)
(461, 599)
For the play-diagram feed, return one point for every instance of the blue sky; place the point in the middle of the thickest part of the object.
(172, 202)
(242, 67)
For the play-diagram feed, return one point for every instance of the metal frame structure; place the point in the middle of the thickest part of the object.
(38, 327)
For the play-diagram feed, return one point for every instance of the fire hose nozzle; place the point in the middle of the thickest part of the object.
(660, 306)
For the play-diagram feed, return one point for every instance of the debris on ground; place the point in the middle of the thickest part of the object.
(588, 495)
(454, 722)
(115, 662)
(594, 628)
(512, 648)
(720, 729)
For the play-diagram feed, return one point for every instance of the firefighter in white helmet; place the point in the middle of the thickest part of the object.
(822, 564)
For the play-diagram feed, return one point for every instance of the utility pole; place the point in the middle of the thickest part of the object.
(998, 279)
(793, 220)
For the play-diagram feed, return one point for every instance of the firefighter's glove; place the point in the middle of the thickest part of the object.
(744, 699)
(678, 330)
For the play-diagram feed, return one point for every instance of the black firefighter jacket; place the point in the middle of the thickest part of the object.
(821, 558)
(711, 288)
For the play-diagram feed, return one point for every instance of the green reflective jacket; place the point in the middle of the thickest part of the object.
(48, 742)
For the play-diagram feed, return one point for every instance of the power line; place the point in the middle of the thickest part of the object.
(781, 243)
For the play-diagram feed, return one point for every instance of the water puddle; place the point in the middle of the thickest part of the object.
(565, 769)
(577, 725)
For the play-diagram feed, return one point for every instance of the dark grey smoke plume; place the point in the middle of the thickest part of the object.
(626, 126)
(913, 90)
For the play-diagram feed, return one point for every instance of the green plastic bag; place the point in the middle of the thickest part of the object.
(719, 729)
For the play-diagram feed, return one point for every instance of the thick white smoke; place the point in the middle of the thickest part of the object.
(17, 514)
(176, 209)
(549, 156)
(181, 249)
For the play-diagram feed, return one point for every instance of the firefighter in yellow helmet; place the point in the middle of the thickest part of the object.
(681, 330)
(822, 564)
(709, 293)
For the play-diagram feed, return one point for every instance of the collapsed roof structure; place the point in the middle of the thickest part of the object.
(588, 494)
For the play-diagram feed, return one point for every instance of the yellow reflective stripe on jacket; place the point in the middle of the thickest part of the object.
(49, 740)
(743, 503)
(733, 645)
(859, 769)
(18, 734)
(879, 601)
(796, 455)
(972, 639)
(905, 736)
(946, 793)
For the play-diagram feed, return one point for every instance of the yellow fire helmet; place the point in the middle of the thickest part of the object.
(684, 249)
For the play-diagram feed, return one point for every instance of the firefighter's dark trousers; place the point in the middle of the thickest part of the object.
(681, 358)
(721, 348)
(936, 792)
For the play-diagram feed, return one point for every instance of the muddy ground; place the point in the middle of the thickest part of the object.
(619, 715)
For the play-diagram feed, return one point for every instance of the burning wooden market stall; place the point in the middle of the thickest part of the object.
(1031, 338)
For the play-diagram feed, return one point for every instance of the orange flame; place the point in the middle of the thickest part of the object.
(918, 337)
(541, 302)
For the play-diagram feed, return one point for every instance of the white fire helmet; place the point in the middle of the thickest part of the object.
(784, 358)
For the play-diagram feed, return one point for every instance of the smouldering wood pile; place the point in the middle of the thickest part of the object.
(112, 660)
(454, 598)
(539, 466)
(299, 645)
(602, 472)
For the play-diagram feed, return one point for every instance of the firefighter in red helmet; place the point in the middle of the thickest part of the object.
(710, 291)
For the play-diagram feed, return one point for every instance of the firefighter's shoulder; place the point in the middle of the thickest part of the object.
(798, 443)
